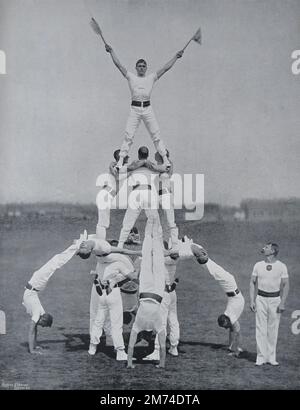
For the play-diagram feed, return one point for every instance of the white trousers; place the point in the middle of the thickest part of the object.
(152, 276)
(166, 202)
(172, 320)
(141, 199)
(109, 306)
(168, 309)
(267, 324)
(136, 115)
(104, 200)
(94, 305)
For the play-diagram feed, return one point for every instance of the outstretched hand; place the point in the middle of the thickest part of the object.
(108, 48)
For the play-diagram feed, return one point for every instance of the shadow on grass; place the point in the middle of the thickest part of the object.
(250, 356)
(78, 342)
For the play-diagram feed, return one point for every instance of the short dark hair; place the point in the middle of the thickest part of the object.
(224, 321)
(117, 154)
(275, 248)
(48, 319)
(84, 255)
(143, 153)
(141, 60)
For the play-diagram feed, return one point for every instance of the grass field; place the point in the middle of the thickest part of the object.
(203, 362)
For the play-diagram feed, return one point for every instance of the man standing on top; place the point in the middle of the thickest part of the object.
(140, 87)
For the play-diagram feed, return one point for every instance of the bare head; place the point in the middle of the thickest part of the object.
(143, 153)
(224, 321)
(270, 249)
(114, 242)
(200, 253)
(141, 67)
(85, 249)
(45, 320)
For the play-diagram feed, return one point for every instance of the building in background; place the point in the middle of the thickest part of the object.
(271, 210)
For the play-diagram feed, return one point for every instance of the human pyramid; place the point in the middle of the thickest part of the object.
(136, 283)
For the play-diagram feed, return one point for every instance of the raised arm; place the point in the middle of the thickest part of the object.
(115, 60)
(169, 64)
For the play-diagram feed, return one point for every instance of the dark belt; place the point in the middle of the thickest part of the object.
(140, 103)
(29, 287)
(121, 283)
(151, 295)
(99, 285)
(141, 186)
(129, 292)
(268, 294)
(231, 294)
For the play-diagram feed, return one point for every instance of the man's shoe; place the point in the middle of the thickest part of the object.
(121, 355)
(260, 362)
(240, 350)
(173, 351)
(92, 349)
(153, 356)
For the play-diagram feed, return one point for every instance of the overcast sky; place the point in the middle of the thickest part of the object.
(229, 108)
